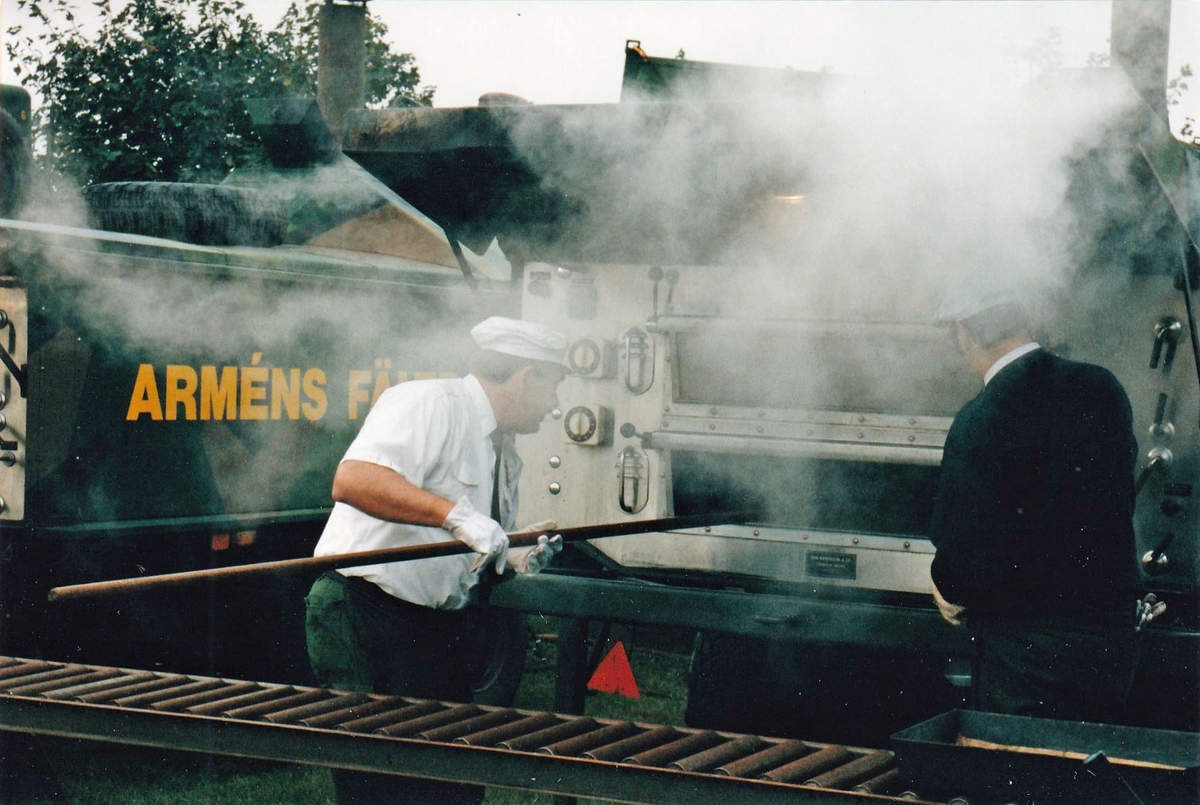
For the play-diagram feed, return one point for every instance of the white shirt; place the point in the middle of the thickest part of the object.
(1008, 358)
(437, 434)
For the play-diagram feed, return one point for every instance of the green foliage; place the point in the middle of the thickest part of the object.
(1045, 55)
(1177, 88)
(390, 76)
(156, 92)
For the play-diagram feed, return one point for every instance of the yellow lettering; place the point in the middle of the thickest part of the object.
(357, 392)
(316, 405)
(218, 398)
(253, 402)
(285, 393)
(144, 399)
(181, 390)
(382, 381)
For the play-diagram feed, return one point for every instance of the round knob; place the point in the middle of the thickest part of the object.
(581, 423)
(555, 488)
(1164, 431)
(1160, 457)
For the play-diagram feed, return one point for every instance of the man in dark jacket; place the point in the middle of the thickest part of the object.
(1033, 525)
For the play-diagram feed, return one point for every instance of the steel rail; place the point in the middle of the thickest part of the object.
(490, 746)
(405, 553)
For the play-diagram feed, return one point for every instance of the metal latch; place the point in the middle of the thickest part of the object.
(633, 479)
(639, 360)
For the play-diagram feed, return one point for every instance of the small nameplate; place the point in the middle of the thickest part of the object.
(831, 565)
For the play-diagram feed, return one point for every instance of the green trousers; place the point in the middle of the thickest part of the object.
(360, 638)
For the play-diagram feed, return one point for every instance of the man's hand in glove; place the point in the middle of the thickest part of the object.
(952, 613)
(482, 533)
(535, 558)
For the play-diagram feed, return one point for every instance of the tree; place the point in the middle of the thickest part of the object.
(1045, 55)
(157, 93)
(1177, 90)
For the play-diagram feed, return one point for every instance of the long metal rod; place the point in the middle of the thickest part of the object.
(404, 553)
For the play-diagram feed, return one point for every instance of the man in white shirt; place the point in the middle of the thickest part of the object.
(433, 456)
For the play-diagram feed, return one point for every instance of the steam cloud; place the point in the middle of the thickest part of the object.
(858, 202)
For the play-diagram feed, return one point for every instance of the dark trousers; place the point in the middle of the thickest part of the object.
(360, 638)
(1071, 667)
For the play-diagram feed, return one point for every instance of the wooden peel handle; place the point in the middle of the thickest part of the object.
(406, 553)
(977, 743)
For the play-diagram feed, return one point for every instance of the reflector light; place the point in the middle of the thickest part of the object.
(220, 542)
(614, 674)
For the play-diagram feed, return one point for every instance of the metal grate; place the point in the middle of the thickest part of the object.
(536, 751)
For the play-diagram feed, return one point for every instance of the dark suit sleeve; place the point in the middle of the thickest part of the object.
(966, 568)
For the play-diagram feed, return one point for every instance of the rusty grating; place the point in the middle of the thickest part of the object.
(498, 746)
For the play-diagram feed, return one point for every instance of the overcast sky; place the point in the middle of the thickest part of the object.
(559, 52)
(572, 52)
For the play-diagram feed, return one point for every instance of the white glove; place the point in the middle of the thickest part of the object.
(482, 533)
(952, 613)
(535, 558)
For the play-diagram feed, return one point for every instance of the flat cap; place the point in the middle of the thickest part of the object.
(522, 339)
(968, 298)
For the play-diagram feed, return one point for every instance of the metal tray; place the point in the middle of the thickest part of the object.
(1047, 762)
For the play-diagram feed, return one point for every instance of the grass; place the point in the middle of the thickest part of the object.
(90, 773)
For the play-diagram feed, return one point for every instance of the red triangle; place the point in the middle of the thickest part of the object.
(614, 675)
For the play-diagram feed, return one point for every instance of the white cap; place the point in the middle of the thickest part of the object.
(522, 339)
(969, 298)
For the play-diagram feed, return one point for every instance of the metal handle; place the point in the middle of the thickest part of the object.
(632, 482)
(1163, 430)
(1158, 457)
(639, 361)
(1166, 332)
(18, 372)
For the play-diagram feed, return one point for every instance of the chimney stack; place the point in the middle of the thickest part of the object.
(341, 62)
(1141, 33)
